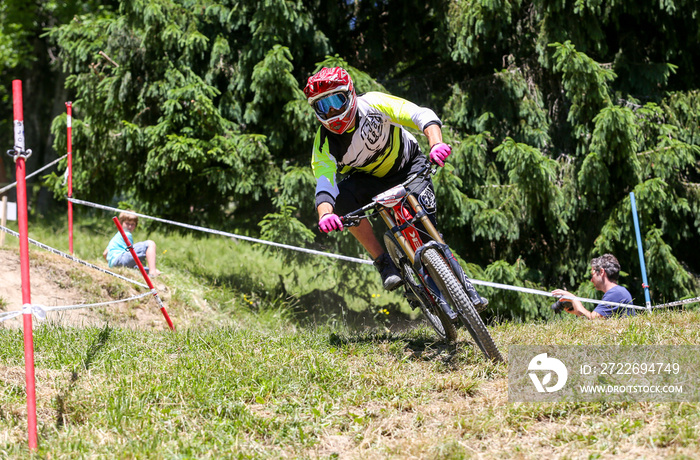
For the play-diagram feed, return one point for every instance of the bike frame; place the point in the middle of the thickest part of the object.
(391, 206)
(400, 211)
(399, 220)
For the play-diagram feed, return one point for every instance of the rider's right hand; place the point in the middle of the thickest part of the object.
(330, 222)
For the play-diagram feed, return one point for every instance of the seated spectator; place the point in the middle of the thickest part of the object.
(117, 254)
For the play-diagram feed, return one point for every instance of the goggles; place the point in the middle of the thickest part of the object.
(336, 102)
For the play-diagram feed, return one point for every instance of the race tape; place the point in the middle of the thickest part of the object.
(229, 235)
(72, 258)
(40, 311)
(8, 187)
(327, 254)
(320, 253)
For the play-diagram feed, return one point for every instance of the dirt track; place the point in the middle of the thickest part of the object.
(56, 281)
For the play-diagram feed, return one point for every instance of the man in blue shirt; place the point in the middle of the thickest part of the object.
(604, 273)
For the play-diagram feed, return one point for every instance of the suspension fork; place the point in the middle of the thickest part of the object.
(424, 219)
(445, 250)
(408, 249)
(398, 234)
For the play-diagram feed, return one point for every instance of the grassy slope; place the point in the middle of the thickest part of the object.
(253, 383)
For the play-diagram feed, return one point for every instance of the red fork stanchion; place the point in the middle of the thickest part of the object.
(69, 108)
(20, 157)
(130, 247)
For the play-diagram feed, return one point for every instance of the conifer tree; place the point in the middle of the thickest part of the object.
(556, 111)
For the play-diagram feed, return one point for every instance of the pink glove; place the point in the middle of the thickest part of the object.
(330, 222)
(439, 153)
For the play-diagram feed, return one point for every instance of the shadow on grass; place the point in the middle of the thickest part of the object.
(420, 348)
(92, 352)
(319, 306)
(326, 307)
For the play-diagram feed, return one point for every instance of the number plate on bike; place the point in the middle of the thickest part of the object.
(391, 197)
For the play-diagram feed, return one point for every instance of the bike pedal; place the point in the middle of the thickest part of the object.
(392, 285)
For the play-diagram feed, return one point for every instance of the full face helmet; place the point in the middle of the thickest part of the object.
(332, 95)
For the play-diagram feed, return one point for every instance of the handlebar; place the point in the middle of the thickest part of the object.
(351, 221)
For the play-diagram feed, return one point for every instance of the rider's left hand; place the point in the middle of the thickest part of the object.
(439, 153)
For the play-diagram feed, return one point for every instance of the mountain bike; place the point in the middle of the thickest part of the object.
(433, 279)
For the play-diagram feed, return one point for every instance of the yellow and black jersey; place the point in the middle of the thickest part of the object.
(378, 144)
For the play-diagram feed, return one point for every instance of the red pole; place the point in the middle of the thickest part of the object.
(130, 247)
(20, 157)
(69, 108)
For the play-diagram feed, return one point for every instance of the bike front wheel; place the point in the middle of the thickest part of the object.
(452, 289)
(416, 294)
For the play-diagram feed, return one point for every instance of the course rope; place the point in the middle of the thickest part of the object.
(40, 311)
(279, 245)
(74, 259)
(8, 187)
(218, 232)
(678, 302)
(549, 294)
(335, 256)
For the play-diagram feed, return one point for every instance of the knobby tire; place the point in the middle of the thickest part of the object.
(437, 318)
(454, 291)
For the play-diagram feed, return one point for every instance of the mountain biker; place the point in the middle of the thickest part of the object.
(363, 137)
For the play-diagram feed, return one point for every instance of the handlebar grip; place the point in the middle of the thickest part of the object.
(350, 221)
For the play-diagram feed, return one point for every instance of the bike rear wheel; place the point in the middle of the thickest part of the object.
(449, 285)
(433, 314)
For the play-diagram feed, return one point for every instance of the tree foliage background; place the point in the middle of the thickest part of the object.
(556, 111)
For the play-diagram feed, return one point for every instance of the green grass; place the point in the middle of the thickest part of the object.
(211, 393)
(251, 379)
(264, 391)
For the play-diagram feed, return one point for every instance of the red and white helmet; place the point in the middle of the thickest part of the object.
(332, 95)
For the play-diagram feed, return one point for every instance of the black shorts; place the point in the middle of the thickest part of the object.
(358, 189)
